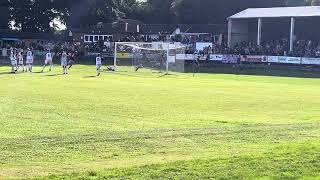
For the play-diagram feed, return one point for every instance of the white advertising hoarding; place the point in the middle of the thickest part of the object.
(284, 59)
(185, 56)
(216, 57)
(201, 45)
(314, 61)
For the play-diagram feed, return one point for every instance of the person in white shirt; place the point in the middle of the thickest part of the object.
(64, 62)
(98, 64)
(48, 61)
(13, 59)
(20, 59)
(29, 61)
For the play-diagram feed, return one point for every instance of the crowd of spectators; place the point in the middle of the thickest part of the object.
(302, 48)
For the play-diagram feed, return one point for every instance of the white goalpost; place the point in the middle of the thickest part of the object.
(159, 56)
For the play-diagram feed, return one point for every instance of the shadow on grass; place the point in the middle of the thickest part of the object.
(88, 77)
(262, 70)
(53, 75)
(135, 74)
(6, 73)
(11, 73)
(39, 72)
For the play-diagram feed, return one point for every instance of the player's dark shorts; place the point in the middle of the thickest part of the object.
(71, 62)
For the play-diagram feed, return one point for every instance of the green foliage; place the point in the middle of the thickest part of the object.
(32, 15)
(4, 14)
(129, 125)
(35, 15)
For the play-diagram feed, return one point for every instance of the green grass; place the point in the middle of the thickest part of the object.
(141, 126)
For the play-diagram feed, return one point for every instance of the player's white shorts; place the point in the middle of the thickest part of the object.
(98, 66)
(48, 61)
(20, 61)
(64, 63)
(13, 62)
(29, 60)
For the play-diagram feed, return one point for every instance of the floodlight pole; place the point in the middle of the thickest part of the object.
(292, 33)
(167, 64)
(229, 32)
(115, 55)
(259, 31)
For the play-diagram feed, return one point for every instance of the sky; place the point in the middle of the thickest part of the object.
(59, 24)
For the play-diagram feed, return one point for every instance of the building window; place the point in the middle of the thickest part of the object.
(96, 38)
(86, 38)
(215, 38)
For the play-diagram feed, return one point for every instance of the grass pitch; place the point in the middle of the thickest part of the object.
(142, 126)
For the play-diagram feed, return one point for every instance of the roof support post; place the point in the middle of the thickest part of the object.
(292, 28)
(229, 32)
(259, 31)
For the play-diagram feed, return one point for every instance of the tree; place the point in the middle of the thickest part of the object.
(4, 14)
(32, 15)
(82, 13)
(36, 15)
(215, 11)
(313, 2)
(296, 2)
(156, 12)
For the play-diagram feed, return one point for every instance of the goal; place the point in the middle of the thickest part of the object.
(153, 56)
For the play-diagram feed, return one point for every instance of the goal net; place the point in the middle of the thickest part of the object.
(154, 56)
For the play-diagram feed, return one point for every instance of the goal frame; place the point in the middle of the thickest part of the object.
(167, 50)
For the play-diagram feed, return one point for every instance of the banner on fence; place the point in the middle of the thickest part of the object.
(92, 54)
(203, 58)
(216, 57)
(273, 59)
(289, 60)
(315, 61)
(230, 59)
(40, 53)
(124, 55)
(172, 59)
(201, 45)
(254, 58)
(284, 59)
(104, 54)
(185, 56)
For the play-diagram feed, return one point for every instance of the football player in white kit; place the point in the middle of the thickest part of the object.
(13, 59)
(20, 59)
(29, 61)
(98, 64)
(64, 62)
(48, 61)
